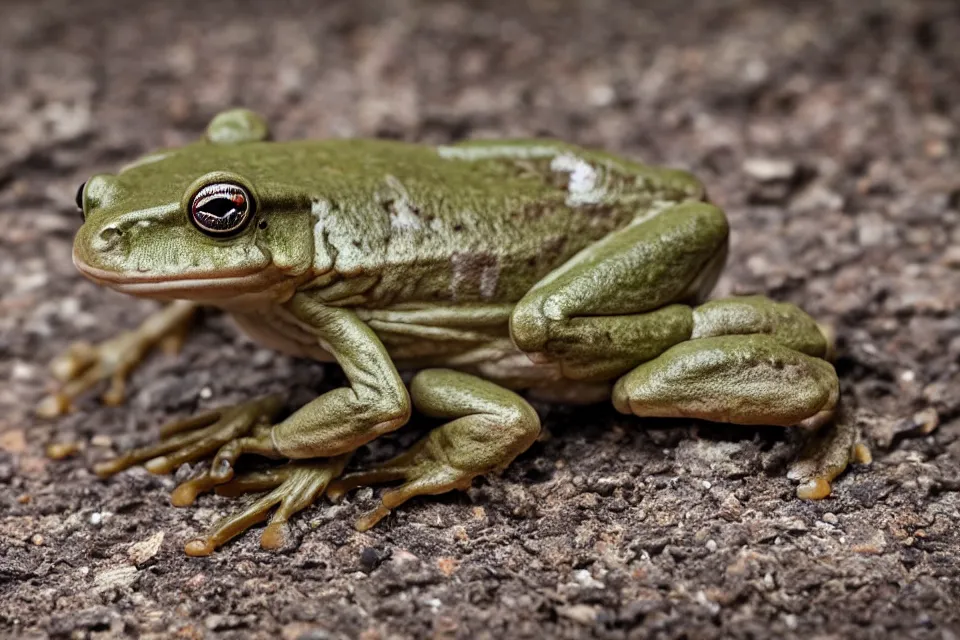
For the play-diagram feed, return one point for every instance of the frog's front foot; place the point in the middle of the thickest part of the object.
(489, 427)
(84, 365)
(293, 487)
(226, 431)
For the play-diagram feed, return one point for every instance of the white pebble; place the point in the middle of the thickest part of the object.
(584, 579)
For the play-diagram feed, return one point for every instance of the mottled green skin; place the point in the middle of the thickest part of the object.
(429, 223)
(520, 264)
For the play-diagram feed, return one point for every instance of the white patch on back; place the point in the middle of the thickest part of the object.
(403, 214)
(583, 187)
(321, 210)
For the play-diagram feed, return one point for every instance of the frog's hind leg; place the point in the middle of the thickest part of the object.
(620, 307)
(749, 360)
(489, 427)
(757, 362)
(84, 365)
(751, 380)
(624, 299)
(199, 437)
(740, 379)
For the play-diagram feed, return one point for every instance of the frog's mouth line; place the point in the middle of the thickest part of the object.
(181, 286)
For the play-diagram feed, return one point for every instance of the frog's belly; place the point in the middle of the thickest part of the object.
(273, 331)
(474, 339)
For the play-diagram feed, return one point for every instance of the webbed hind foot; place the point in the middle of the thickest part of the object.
(84, 365)
(827, 455)
(199, 437)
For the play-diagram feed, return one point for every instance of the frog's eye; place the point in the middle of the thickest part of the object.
(221, 209)
(80, 200)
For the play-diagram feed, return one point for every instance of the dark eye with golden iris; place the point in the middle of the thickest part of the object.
(222, 209)
(80, 200)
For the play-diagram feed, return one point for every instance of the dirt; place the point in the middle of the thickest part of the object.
(828, 132)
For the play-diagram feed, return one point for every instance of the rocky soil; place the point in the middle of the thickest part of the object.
(827, 130)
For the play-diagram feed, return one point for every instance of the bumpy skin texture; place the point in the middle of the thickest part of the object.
(487, 266)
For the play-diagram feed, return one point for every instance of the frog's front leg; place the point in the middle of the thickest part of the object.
(332, 426)
(375, 402)
(489, 427)
(85, 365)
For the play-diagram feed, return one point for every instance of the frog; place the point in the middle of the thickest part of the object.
(464, 282)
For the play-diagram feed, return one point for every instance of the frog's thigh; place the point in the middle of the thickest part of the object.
(489, 427)
(609, 307)
(742, 379)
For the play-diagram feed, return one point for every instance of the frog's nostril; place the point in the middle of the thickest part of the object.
(107, 238)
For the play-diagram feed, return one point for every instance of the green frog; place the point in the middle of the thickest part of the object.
(493, 272)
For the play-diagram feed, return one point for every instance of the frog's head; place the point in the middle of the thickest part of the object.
(212, 221)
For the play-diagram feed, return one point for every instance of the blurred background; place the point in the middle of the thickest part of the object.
(826, 130)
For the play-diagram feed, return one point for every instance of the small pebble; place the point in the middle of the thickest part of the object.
(769, 170)
(144, 550)
(62, 450)
(584, 579)
(101, 440)
(830, 518)
(580, 613)
(369, 558)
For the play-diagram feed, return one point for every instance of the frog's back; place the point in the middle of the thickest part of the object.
(477, 221)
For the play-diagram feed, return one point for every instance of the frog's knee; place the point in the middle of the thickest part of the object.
(529, 325)
(736, 379)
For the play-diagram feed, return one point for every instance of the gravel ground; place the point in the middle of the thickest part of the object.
(827, 130)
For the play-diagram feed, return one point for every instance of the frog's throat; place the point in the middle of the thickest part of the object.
(238, 283)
